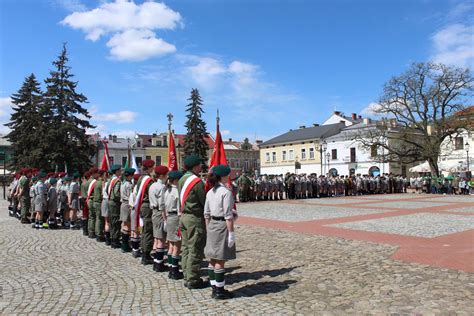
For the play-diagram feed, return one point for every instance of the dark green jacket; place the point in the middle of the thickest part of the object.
(196, 198)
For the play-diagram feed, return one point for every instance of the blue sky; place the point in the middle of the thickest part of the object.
(267, 65)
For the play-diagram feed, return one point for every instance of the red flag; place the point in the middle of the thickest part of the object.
(105, 160)
(218, 154)
(172, 162)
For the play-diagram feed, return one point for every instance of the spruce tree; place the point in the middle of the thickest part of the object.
(66, 120)
(26, 125)
(194, 141)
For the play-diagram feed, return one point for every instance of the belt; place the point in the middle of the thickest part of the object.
(172, 213)
(218, 218)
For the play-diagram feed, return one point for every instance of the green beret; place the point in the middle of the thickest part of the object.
(115, 168)
(192, 161)
(53, 180)
(174, 175)
(67, 178)
(34, 179)
(41, 174)
(221, 170)
(129, 171)
(76, 174)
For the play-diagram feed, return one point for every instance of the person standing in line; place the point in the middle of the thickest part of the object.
(159, 231)
(170, 207)
(220, 242)
(114, 206)
(41, 192)
(73, 192)
(97, 200)
(125, 192)
(193, 227)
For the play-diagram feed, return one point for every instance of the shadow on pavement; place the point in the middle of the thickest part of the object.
(244, 276)
(263, 288)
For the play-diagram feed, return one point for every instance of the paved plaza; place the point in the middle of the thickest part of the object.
(390, 254)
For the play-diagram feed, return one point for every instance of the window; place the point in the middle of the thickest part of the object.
(158, 143)
(124, 161)
(334, 154)
(291, 155)
(303, 153)
(353, 154)
(246, 165)
(158, 160)
(267, 157)
(274, 156)
(147, 157)
(111, 160)
(373, 151)
(458, 143)
(283, 155)
(138, 161)
(311, 153)
(237, 163)
(139, 144)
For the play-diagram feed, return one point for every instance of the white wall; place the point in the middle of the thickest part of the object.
(458, 157)
(307, 169)
(334, 119)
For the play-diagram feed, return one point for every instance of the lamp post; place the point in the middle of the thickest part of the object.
(322, 148)
(328, 155)
(466, 146)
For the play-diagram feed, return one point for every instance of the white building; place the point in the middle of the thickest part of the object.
(457, 153)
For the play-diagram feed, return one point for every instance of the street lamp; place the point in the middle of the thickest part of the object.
(328, 155)
(466, 146)
(322, 148)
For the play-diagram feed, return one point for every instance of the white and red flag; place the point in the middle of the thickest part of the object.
(105, 160)
(172, 160)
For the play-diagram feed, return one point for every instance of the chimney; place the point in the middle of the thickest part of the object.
(258, 141)
(230, 140)
(360, 117)
(114, 138)
(337, 112)
(291, 130)
(342, 121)
(315, 124)
(110, 137)
(354, 116)
(302, 126)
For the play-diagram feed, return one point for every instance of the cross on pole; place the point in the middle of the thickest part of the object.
(170, 118)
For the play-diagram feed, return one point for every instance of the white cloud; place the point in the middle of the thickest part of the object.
(137, 45)
(71, 5)
(6, 106)
(130, 26)
(454, 45)
(371, 110)
(206, 72)
(460, 10)
(121, 117)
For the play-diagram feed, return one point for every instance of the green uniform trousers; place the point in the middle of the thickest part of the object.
(91, 219)
(25, 206)
(99, 220)
(115, 223)
(147, 232)
(193, 235)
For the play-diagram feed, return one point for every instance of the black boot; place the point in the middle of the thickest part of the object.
(222, 294)
(85, 228)
(213, 295)
(92, 235)
(125, 245)
(176, 274)
(115, 244)
(107, 238)
(146, 259)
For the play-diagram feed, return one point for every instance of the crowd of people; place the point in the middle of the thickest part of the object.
(443, 185)
(163, 217)
(302, 186)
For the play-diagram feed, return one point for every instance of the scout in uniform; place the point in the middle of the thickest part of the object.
(97, 202)
(94, 174)
(74, 190)
(82, 203)
(220, 242)
(159, 232)
(125, 192)
(33, 181)
(114, 206)
(142, 209)
(52, 202)
(135, 218)
(170, 208)
(41, 192)
(104, 206)
(192, 224)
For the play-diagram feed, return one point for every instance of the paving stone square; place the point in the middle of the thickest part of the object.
(284, 211)
(411, 204)
(427, 225)
(466, 209)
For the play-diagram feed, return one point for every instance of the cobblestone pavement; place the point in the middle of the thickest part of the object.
(277, 272)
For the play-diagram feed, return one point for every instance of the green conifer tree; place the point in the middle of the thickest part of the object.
(66, 120)
(194, 141)
(26, 124)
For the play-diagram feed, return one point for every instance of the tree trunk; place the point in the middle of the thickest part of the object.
(434, 167)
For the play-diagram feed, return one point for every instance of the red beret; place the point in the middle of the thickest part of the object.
(62, 174)
(148, 163)
(26, 170)
(56, 174)
(87, 174)
(161, 170)
(50, 174)
(93, 170)
(101, 172)
(136, 176)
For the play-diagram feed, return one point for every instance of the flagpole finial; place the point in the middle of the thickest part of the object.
(217, 118)
(170, 118)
